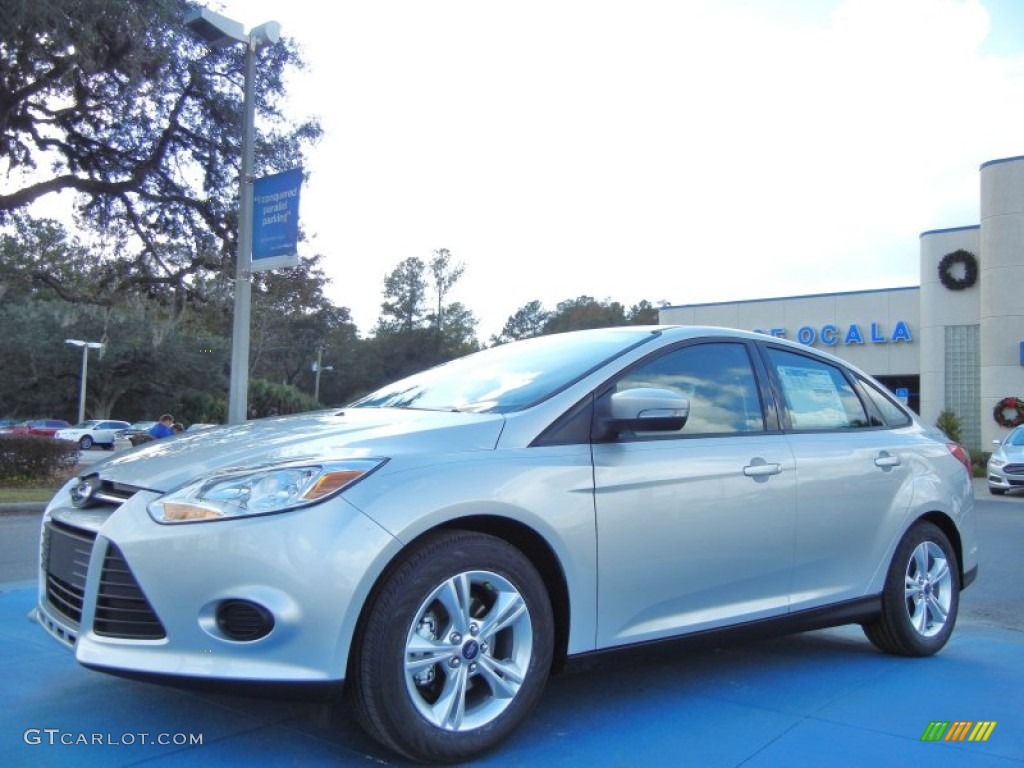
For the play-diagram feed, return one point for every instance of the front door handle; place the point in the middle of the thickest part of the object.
(886, 459)
(761, 468)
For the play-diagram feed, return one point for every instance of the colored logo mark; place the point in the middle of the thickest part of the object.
(958, 730)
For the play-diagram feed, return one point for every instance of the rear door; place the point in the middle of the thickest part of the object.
(695, 527)
(854, 476)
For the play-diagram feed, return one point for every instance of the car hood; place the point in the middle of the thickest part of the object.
(1012, 453)
(171, 462)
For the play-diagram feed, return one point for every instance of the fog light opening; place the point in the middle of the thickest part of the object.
(244, 620)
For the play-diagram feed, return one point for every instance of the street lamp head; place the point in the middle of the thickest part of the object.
(219, 31)
(80, 343)
(215, 30)
(267, 33)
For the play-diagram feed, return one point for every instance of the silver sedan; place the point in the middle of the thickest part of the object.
(445, 543)
(1006, 465)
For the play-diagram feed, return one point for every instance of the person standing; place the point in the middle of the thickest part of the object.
(163, 428)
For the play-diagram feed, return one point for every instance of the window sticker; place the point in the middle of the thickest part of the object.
(813, 398)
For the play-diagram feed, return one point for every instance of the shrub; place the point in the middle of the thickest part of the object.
(28, 457)
(949, 423)
(267, 399)
(979, 462)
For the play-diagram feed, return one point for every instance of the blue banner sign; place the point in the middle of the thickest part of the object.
(275, 220)
(832, 335)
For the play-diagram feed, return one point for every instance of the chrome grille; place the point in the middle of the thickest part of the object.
(122, 609)
(66, 552)
(1014, 469)
(114, 493)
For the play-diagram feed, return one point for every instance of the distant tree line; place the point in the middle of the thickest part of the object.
(171, 353)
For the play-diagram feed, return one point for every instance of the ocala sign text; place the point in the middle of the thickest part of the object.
(831, 335)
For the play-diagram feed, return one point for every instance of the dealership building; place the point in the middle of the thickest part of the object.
(956, 342)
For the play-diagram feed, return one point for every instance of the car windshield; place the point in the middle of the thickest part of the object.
(1016, 437)
(508, 377)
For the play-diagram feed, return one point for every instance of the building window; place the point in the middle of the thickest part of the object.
(963, 381)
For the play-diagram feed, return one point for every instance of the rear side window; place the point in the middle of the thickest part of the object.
(892, 414)
(817, 395)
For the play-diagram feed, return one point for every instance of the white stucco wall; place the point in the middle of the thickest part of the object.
(1002, 288)
(941, 307)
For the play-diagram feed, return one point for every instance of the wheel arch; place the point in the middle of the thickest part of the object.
(522, 537)
(945, 524)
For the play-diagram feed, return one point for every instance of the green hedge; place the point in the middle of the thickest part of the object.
(27, 457)
(979, 462)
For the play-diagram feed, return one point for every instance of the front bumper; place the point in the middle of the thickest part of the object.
(1007, 477)
(131, 596)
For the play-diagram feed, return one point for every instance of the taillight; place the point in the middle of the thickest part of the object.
(958, 451)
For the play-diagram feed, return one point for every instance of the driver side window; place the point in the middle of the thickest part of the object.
(717, 379)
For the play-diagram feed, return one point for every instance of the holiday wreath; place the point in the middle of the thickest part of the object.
(1009, 412)
(970, 264)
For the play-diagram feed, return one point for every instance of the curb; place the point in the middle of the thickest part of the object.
(22, 508)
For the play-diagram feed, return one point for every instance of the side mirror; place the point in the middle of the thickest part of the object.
(996, 443)
(647, 410)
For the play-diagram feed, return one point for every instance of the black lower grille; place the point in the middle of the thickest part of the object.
(122, 609)
(1014, 469)
(66, 552)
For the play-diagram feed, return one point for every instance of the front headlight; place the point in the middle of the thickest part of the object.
(266, 491)
(996, 462)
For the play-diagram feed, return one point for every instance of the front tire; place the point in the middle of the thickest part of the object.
(454, 650)
(996, 491)
(921, 597)
(85, 442)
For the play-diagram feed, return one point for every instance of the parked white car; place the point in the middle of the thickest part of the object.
(93, 432)
(443, 544)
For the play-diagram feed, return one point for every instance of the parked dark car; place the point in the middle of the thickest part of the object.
(136, 428)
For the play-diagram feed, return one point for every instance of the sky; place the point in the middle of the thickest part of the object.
(680, 151)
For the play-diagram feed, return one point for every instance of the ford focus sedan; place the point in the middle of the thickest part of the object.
(442, 545)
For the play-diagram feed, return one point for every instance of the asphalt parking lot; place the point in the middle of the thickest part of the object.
(817, 698)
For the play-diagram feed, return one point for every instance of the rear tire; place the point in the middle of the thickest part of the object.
(454, 650)
(921, 597)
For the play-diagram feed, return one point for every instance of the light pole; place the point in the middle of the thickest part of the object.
(220, 31)
(317, 368)
(86, 346)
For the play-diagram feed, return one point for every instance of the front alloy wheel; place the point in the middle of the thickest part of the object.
(85, 442)
(455, 648)
(467, 651)
(921, 596)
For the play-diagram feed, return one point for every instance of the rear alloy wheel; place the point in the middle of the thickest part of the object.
(85, 442)
(921, 596)
(455, 649)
